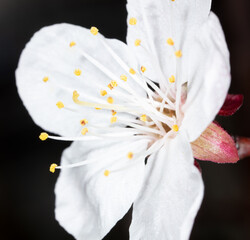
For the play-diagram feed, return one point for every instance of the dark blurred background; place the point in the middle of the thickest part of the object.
(26, 185)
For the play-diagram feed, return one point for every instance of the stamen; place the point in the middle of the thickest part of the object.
(72, 44)
(143, 118)
(46, 79)
(113, 119)
(94, 30)
(170, 41)
(175, 128)
(113, 112)
(114, 83)
(60, 105)
(172, 79)
(130, 155)
(132, 71)
(103, 92)
(137, 42)
(77, 72)
(110, 100)
(110, 86)
(43, 136)
(52, 167)
(143, 69)
(83, 122)
(123, 77)
(178, 53)
(106, 173)
(84, 131)
(132, 21)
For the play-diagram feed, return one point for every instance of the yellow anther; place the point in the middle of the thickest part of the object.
(132, 21)
(110, 100)
(83, 122)
(143, 69)
(172, 79)
(77, 72)
(72, 44)
(110, 86)
(143, 118)
(103, 92)
(175, 128)
(178, 53)
(60, 105)
(46, 79)
(137, 42)
(172, 0)
(43, 136)
(114, 83)
(94, 30)
(75, 95)
(98, 108)
(170, 41)
(130, 155)
(106, 173)
(123, 77)
(52, 167)
(132, 71)
(113, 112)
(113, 119)
(84, 131)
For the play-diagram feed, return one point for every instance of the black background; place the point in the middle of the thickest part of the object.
(27, 187)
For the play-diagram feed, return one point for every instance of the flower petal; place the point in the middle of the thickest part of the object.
(157, 21)
(88, 203)
(209, 74)
(232, 103)
(59, 60)
(215, 145)
(171, 195)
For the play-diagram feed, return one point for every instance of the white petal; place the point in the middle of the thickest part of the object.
(48, 54)
(209, 75)
(156, 22)
(171, 195)
(88, 204)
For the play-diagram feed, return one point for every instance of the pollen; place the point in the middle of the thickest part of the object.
(130, 155)
(106, 173)
(178, 53)
(72, 44)
(98, 108)
(123, 77)
(172, 79)
(132, 71)
(137, 42)
(60, 105)
(143, 118)
(52, 167)
(113, 112)
(113, 119)
(175, 128)
(170, 41)
(103, 92)
(46, 79)
(94, 30)
(43, 136)
(143, 69)
(84, 131)
(77, 72)
(83, 122)
(132, 21)
(110, 100)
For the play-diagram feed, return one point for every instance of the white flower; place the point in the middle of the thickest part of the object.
(157, 94)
